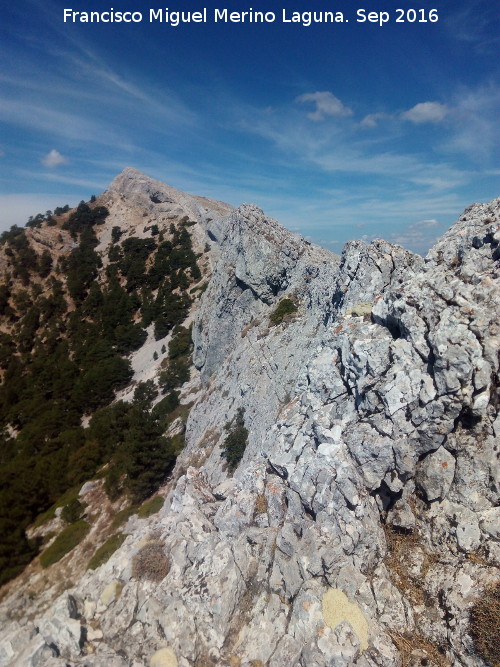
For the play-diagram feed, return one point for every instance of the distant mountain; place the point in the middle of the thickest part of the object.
(224, 445)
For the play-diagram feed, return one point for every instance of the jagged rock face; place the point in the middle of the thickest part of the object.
(363, 520)
(251, 363)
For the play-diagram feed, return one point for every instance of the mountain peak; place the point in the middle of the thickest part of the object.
(146, 191)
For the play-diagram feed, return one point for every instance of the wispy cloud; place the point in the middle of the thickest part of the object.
(423, 112)
(372, 119)
(48, 118)
(342, 151)
(477, 23)
(403, 217)
(90, 184)
(419, 236)
(467, 123)
(326, 105)
(475, 124)
(83, 95)
(163, 103)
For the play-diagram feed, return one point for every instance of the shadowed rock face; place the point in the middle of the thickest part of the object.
(362, 521)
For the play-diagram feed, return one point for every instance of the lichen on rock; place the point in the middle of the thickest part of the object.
(164, 657)
(338, 609)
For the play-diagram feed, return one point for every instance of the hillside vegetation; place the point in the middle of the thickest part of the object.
(67, 328)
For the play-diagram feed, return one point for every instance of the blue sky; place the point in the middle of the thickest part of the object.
(340, 131)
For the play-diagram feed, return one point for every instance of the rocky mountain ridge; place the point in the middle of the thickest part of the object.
(362, 524)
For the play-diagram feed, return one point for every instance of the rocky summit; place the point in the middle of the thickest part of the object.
(336, 501)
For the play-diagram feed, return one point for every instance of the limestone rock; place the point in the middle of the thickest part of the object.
(319, 550)
(436, 473)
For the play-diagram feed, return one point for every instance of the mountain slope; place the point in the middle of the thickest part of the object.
(92, 299)
(360, 523)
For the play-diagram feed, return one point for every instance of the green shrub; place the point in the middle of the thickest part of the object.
(113, 482)
(285, 307)
(123, 516)
(167, 405)
(116, 233)
(65, 499)
(84, 218)
(44, 264)
(16, 550)
(129, 337)
(115, 253)
(144, 393)
(73, 511)
(67, 540)
(176, 374)
(236, 440)
(150, 507)
(180, 343)
(144, 458)
(484, 623)
(106, 550)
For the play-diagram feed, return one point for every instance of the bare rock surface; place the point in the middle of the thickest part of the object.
(362, 522)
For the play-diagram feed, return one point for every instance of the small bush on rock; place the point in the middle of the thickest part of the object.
(72, 511)
(150, 563)
(285, 307)
(236, 440)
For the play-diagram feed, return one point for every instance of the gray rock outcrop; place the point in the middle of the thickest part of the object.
(362, 522)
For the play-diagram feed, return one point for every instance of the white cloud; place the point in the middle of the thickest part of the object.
(372, 119)
(326, 105)
(53, 159)
(426, 112)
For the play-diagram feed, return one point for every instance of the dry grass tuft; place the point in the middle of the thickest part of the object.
(150, 563)
(414, 650)
(260, 504)
(401, 546)
(484, 625)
